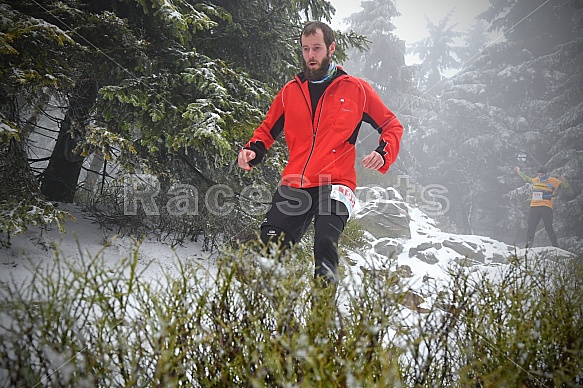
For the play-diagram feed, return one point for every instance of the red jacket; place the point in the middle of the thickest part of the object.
(321, 148)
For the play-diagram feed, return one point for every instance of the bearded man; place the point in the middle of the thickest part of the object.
(320, 112)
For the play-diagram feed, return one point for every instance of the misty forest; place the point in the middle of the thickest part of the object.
(135, 110)
(94, 92)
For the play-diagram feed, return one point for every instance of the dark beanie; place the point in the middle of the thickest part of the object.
(542, 170)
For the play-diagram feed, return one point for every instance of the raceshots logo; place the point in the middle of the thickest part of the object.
(144, 191)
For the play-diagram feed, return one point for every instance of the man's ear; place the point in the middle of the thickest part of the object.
(332, 48)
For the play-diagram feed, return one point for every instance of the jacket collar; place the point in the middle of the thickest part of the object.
(339, 71)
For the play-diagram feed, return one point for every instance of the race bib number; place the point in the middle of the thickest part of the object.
(537, 196)
(345, 195)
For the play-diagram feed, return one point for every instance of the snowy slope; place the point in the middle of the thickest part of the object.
(426, 254)
(84, 238)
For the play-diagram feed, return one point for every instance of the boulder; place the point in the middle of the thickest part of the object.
(499, 259)
(412, 300)
(404, 271)
(466, 250)
(389, 248)
(428, 257)
(385, 218)
(424, 246)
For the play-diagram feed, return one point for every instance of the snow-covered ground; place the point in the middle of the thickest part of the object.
(83, 237)
(427, 253)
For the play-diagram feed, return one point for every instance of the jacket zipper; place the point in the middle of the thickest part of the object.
(314, 132)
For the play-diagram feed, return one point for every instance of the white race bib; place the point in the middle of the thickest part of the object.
(537, 196)
(345, 195)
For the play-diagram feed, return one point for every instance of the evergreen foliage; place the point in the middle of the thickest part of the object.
(437, 53)
(383, 66)
(164, 88)
(515, 102)
(384, 63)
(33, 67)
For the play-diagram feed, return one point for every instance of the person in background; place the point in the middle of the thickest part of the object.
(320, 113)
(541, 205)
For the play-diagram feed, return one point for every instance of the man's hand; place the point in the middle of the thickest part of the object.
(374, 161)
(245, 156)
(517, 169)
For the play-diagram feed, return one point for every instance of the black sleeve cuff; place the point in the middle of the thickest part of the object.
(381, 150)
(259, 148)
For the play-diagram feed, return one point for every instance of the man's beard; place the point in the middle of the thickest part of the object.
(316, 74)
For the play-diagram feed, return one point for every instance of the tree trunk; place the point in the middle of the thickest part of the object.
(93, 174)
(59, 181)
(15, 175)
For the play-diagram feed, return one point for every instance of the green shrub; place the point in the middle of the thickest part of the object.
(175, 223)
(525, 327)
(256, 321)
(517, 325)
(16, 216)
(352, 237)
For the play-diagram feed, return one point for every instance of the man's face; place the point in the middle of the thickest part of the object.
(316, 57)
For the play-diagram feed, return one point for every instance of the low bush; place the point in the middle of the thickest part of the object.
(257, 321)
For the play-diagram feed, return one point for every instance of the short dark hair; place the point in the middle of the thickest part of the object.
(312, 27)
(542, 170)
